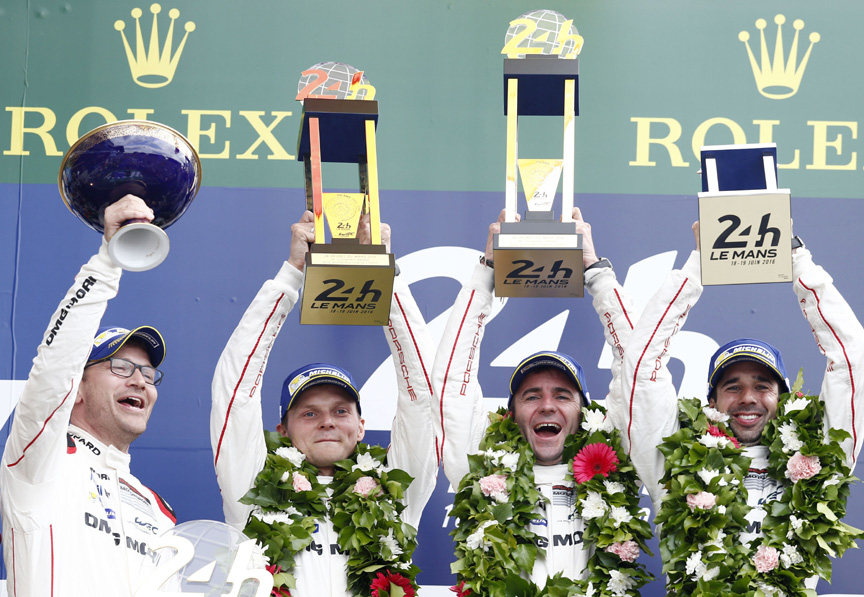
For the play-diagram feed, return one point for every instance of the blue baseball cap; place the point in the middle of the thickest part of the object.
(110, 339)
(558, 360)
(311, 375)
(746, 349)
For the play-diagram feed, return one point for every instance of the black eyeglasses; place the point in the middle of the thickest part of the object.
(124, 368)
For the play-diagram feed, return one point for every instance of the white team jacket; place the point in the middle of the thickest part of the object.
(648, 406)
(463, 419)
(235, 419)
(75, 520)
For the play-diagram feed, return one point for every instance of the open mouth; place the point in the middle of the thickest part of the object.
(747, 419)
(547, 430)
(132, 402)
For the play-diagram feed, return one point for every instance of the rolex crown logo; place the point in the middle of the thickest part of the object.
(149, 66)
(778, 78)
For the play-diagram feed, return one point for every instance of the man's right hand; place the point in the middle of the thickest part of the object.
(121, 211)
(302, 235)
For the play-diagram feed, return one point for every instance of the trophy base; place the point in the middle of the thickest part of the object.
(347, 284)
(539, 259)
(139, 246)
(745, 237)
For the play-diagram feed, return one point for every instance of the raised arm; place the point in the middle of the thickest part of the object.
(37, 439)
(461, 416)
(840, 337)
(236, 434)
(650, 403)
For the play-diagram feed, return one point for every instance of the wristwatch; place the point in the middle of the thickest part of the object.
(600, 264)
(487, 262)
(797, 242)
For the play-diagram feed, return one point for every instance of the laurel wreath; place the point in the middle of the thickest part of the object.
(699, 544)
(364, 503)
(494, 544)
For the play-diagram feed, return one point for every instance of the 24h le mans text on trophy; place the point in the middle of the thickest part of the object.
(745, 222)
(540, 256)
(347, 283)
(131, 157)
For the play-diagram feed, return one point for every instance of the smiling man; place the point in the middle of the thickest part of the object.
(319, 412)
(75, 520)
(547, 391)
(746, 378)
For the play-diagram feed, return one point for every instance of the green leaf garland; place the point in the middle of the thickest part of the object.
(493, 543)
(364, 505)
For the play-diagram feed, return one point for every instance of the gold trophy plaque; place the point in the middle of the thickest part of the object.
(745, 221)
(347, 283)
(540, 256)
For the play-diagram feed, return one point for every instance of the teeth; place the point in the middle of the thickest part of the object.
(553, 426)
(136, 402)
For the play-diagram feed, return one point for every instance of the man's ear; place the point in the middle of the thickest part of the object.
(361, 431)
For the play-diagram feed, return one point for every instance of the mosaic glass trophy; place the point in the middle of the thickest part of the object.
(745, 221)
(347, 283)
(540, 256)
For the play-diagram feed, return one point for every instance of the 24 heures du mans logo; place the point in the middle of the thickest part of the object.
(778, 68)
(153, 57)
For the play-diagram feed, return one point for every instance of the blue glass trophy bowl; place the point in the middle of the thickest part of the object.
(131, 157)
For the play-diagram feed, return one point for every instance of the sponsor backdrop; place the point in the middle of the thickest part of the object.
(658, 80)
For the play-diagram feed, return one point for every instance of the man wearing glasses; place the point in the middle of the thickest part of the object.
(75, 520)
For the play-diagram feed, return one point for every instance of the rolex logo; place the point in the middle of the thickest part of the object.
(151, 65)
(778, 77)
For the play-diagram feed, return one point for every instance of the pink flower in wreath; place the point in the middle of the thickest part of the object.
(628, 551)
(592, 460)
(494, 486)
(367, 486)
(301, 483)
(460, 589)
(766, 559)
(277, 591)
(802, 467)
(704, 500)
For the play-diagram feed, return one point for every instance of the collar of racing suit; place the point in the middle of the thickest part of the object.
(106, 455)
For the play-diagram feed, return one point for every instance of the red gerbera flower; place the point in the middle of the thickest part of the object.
(460, 589)
(594, 459)
(385, 583)
(716, 432)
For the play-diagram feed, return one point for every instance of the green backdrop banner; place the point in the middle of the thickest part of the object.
(658, 79)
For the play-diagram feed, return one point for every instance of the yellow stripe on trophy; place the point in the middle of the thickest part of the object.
(510, 189)
(569, 152)
(372, 166)
(317, 200)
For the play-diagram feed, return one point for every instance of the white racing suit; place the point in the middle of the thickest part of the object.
(75, 521)
(236, 420)
(650, 405)
(463, 416)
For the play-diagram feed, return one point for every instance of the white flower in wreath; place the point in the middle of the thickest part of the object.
(717, 539)
(790, 556)
(613, 487)
(789, 437)
(797, 404)
(619, 583)
(270, 517)
(510, 460)
(715, 415)
(366, 462)
(694, 566)
(292, 455)
(707, 475)
(390, 543)
(620, 515)
(713, 441)
(595, 420)
(593, 506)
(711, 574)
(478, 537)
(834, 480)
(257, 559)
(494, 456)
